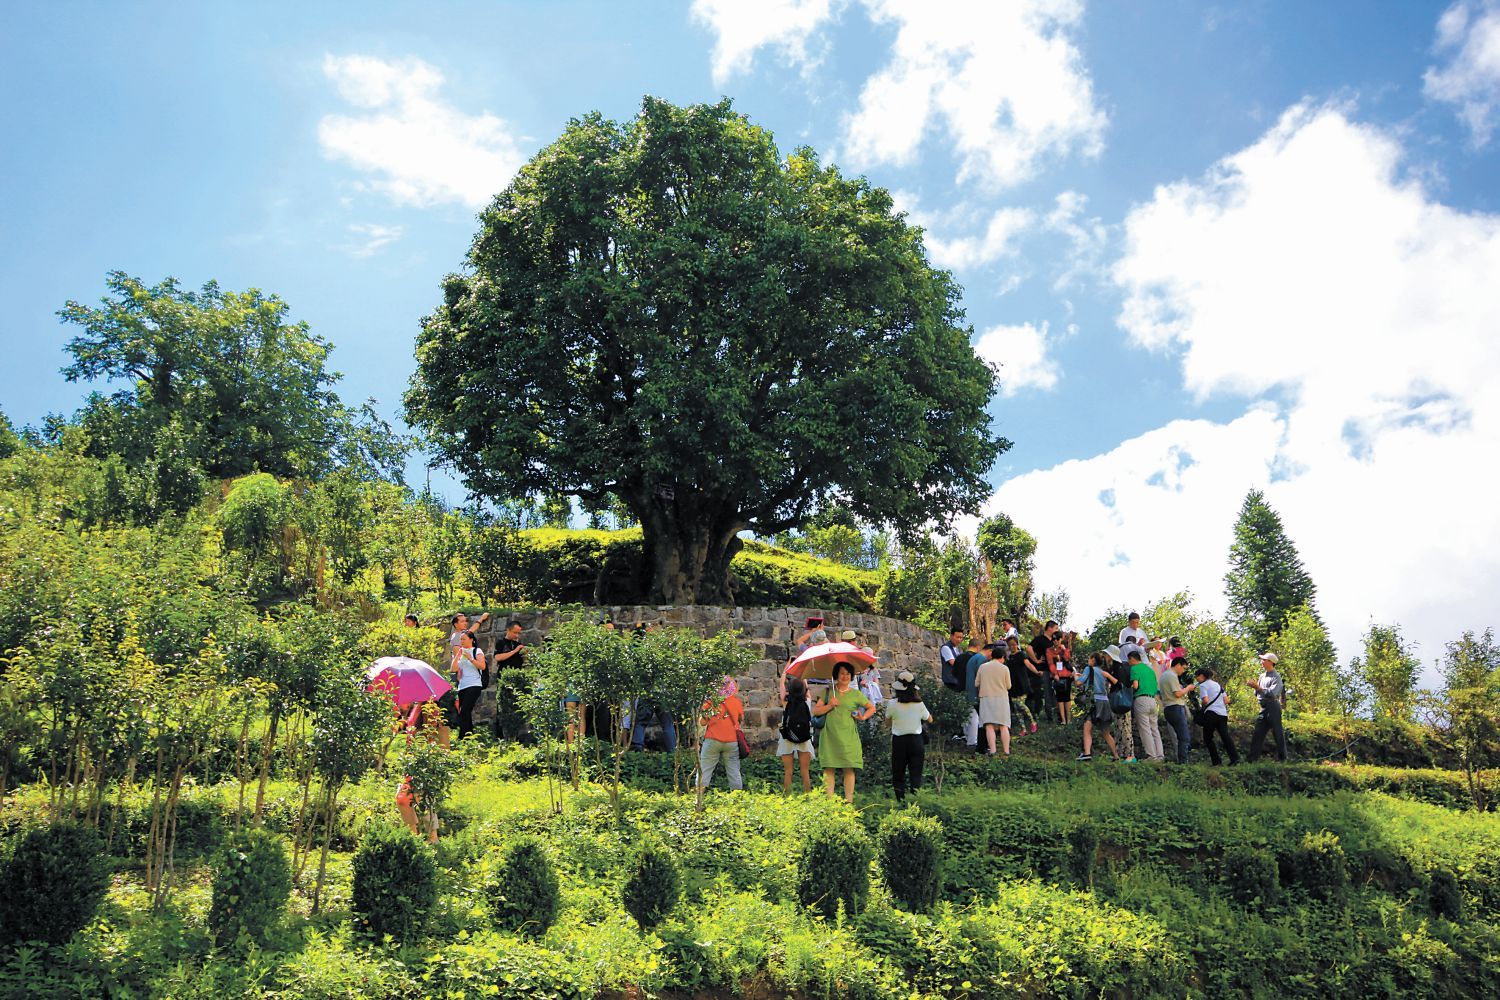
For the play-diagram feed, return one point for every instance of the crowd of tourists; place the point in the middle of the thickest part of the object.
(1120, 695)
(1124, 691)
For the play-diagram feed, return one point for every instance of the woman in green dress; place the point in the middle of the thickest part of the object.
(839, 746)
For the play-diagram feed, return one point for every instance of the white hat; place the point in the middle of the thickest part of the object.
(848, 635)
(903, 679)
(1113, 652)
(1270, 656)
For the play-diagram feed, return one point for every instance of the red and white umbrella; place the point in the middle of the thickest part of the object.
(405, 680)
(816, 662)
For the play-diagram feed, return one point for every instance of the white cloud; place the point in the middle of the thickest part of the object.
(419, 148)
(1022, 354)
(1087, 237)
(1468, 33)
(371, 237)
(743, 26)
(1005, 81)
(1308, 272)
(1000, 239)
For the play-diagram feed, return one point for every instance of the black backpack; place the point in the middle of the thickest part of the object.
(796, 721)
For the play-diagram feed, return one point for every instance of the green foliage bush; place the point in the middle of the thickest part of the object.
(1251, 876)
(1318, 866)
(911, 858)
(833, 866)
(1083, 852)
(54, 881)
(250, 890)
(395, 884)
(1443, 896)
(524, 895)
(652, 885)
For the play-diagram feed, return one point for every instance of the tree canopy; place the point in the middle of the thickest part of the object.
(668, 311)
(222, 374)
(1266, 583)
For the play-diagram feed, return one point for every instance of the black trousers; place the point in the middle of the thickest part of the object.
(907, 755)
(1214, 723)
(1268, 721)
(467, 699)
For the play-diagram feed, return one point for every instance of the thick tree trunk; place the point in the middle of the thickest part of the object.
(688, 550)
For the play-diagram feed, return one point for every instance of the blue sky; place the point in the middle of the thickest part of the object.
(1213, 246)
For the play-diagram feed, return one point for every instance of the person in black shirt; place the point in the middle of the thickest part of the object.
(509, 651)
(1020, 686)
(1037, 676)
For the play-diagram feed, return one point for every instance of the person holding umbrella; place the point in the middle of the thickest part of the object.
(842, 706)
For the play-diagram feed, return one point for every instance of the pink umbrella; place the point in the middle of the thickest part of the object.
(405, 680)
(817, 661)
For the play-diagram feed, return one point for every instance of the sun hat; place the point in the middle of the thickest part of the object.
(903, 680)
(1270, 656)
(1113, 652)
(848, 635)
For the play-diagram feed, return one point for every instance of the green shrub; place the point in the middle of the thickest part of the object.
(833, 867)
(1083, 852)
(1443, 896)
(1251, 876)
(1317, 866)
(250, 890)
(524, 894)
(395, 883)
(54, 882)
(652, 886)
(911, 858)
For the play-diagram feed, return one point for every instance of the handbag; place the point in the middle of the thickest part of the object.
(744, 744)
(1200, 712)
(1121, 701)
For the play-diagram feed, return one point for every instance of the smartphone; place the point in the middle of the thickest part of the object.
(814, 623)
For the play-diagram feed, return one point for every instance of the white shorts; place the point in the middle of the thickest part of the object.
(785, 747)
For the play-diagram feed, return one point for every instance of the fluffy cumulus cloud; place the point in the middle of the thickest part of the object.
(743, 26)
(1000, 239)
(1468, 38)
(1003, 84)
(1309, 275)
(417, 148)
(1022, 354)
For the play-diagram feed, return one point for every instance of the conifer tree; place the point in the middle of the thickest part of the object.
(1266, 582)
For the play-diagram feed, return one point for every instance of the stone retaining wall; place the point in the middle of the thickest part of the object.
(771, 632)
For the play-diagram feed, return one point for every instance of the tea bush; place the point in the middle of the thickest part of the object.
(1318, 866)
(652, 885)
(54, 881)
(524, 895)
(395, 884)
(250, 890)
(911, 858)
(1251, 876)
(833, 867)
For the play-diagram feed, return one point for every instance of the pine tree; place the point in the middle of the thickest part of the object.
(1266, 582)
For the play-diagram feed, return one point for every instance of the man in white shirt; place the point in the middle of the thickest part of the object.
(1132, 632)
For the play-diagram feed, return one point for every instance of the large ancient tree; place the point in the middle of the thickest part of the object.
(667, 311)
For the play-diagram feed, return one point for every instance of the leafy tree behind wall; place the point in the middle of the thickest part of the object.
(1011, 551)
(668, 311)
(1468, 713)
(1266, 582)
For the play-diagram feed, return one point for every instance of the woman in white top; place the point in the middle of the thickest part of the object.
(1212, 698)
(468, 663)
(907, 713)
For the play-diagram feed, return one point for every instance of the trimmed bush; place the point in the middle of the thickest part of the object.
(1083, 852)
(653, 885)
(911, 858)
(524, 895)
(395, 883)
(1317, 866)
(1251, 876)
(54, 882)
(833, 867)
(1443, 896)
(250, 890)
